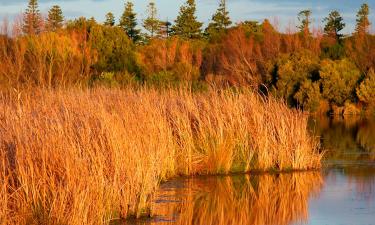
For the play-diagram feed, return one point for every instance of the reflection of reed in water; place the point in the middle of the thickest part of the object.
(266, 199)
(349, 138)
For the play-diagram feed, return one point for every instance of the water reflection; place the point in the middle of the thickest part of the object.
(349, 140)
(257, 199)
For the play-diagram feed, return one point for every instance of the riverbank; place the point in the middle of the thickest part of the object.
(90, 156)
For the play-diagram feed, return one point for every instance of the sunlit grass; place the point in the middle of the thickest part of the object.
(90, 156)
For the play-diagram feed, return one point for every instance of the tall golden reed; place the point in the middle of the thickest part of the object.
(91, 156)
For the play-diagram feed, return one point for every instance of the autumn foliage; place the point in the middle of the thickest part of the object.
(298, 66)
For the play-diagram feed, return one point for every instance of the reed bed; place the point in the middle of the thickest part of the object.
(92, 156)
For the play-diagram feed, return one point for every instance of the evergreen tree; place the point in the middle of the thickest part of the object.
(32, 20)
(363, 22)
(55, 18)
(220, 20)
(109, 19)
(152, 24)
(186, 24)
(304, 18)
(334, 24)
(128, 22)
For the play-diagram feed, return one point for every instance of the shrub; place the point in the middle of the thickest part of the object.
(366, 90)
(174, 56)
(46, 60)
(309, 96)
(114, 50)
(292, 71)
(339, 80)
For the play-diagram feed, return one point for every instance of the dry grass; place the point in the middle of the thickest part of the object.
(87, 157)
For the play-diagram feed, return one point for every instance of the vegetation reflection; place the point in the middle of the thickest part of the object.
(264, 199)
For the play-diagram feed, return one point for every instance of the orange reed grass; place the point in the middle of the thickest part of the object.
(91, 156)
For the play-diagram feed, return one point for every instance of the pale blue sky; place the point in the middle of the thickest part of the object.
(284, 11)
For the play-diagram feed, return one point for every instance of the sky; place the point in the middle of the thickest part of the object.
(280, 12)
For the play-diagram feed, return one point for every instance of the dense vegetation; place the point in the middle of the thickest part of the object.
(91, 156)
(184, 101)
(317, 70)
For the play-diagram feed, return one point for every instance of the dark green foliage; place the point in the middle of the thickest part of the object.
(32, 21)
(128, 22)
(81, 24)
(252, 28)
(334, 52)
(186, 24)
(309, 96)
(114, 49)
(363, 22)
(55, 18)
(293, 70)
(109, 19)
(339, 80)
(152, 24)
(220, 21)
(304, 17)
(334, 24)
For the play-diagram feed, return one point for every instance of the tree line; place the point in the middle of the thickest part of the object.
(317, 70)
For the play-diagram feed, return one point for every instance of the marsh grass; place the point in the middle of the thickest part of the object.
(91, 156)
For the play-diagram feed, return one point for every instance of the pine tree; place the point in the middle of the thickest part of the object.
(363, 22)
(220, 20)
(128, 22)
(152, 24)
(334, 24)
(109, 19)
(186, 24)
(55, 18)
(32, 20)
(304, 18)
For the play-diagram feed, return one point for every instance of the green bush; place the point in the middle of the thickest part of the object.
(115, 51)
(339, 80)
(366, 90)
(309, 96)
(293, 70)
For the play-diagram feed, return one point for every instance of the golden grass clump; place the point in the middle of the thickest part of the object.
(88, 157)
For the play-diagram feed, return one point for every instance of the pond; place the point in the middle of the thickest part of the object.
(343, 193)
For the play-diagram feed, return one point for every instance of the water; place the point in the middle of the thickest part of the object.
(343, 193)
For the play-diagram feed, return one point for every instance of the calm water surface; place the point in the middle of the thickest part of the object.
(342, 194)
